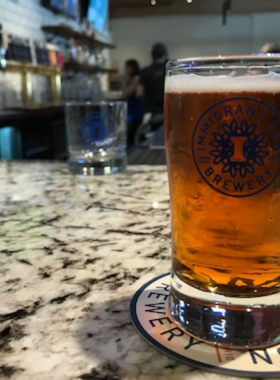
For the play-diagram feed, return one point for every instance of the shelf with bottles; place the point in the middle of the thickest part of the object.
(17, 55)
(22, 67)
(17, 49)
(81, 37)
(48, 54)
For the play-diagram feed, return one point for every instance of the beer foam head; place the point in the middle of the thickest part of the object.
(185, 83)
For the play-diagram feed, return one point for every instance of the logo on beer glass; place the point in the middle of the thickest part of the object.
(236, 146)
(96, 130)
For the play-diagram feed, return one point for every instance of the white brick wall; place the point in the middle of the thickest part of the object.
(25, 18)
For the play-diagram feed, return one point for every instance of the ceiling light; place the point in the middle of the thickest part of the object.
(153, 2)
(189, 1)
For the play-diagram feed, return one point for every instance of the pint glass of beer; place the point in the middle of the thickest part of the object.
(222, 133)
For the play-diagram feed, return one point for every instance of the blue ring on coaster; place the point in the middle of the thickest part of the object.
(151, 317)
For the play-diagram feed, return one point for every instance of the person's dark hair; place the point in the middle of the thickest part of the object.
(159, 51)
(270, 48)
(134, 67)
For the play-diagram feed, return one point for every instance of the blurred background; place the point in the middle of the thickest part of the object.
(53, 51)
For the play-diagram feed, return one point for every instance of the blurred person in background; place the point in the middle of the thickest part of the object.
(134, 103)
(270, 48)
(151, 83)
(151, 89)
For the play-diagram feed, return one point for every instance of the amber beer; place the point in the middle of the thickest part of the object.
(223, 152)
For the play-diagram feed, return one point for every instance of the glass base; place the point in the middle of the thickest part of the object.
(236, 322)
(97, 168)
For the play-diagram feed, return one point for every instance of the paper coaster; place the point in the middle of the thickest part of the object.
(151, 317)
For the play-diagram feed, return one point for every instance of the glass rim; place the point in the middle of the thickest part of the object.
(220, 61)
(94, 103)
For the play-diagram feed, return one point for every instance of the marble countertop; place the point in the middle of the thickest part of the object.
(73, 252)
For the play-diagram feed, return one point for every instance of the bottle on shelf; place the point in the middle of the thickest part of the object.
(52, 54)
(3, 48)
(18, 49)
(59, 58)
(42, 54)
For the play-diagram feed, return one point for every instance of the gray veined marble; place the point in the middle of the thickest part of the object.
(73, 252)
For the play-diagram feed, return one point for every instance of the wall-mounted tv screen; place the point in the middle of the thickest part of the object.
(97, 13)
(67, 7)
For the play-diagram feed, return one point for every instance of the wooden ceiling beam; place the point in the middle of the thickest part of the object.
(141, 8)
(138, 3)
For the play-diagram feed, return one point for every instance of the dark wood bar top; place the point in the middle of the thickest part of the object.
(19, 117)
